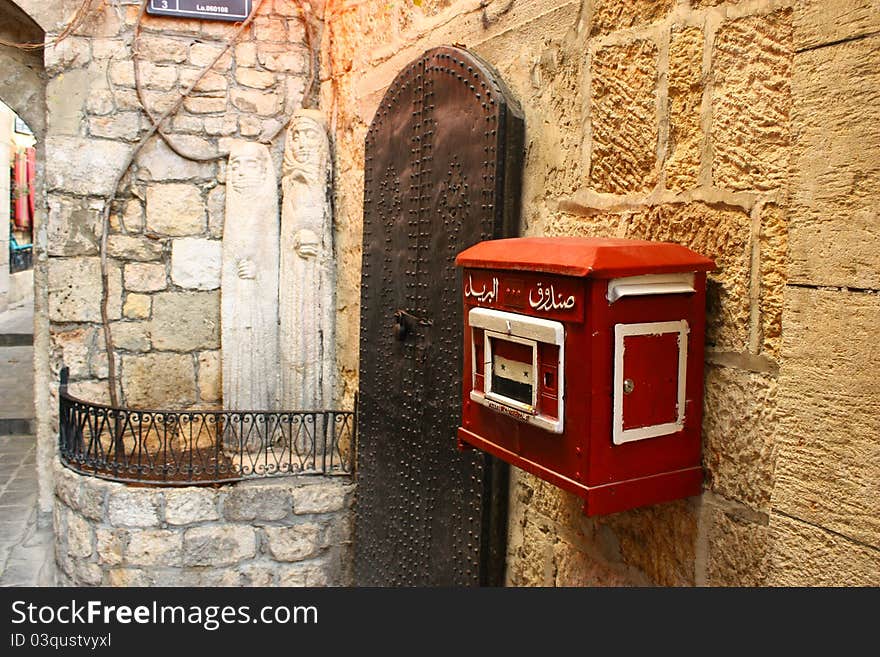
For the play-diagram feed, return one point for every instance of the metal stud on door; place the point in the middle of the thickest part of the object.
(442, 172)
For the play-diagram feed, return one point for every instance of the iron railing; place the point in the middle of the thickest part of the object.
(188, 448)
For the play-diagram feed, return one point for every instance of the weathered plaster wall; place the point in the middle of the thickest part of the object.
(730, 127)
(294, 531)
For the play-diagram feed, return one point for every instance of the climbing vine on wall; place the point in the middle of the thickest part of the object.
(89, 12)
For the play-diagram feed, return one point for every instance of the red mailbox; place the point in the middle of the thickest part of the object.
(583, 364)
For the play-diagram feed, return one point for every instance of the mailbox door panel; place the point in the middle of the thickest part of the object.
(650, 380)
(650, 374)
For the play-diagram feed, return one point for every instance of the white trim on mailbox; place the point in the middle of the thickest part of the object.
(535, 328)
(524, 330)
(622, 331)
(637, 286)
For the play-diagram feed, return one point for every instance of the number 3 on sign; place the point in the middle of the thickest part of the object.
(164, 4)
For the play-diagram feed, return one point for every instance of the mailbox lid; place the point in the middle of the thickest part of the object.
(583, 256)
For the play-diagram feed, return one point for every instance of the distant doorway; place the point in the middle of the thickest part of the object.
(18, 200)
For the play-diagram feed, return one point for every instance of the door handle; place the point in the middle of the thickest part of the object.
(400, 326)
(404, 323)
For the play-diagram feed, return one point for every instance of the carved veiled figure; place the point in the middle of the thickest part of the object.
(249, 284)
(307, 281)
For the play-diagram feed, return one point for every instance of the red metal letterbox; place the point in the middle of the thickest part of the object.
(583, 364)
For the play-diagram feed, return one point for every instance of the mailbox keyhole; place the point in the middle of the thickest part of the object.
(628, 386)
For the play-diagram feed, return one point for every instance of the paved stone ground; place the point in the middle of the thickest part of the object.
(17, 370)
(16, 389)
(17, 324)
(25, 536)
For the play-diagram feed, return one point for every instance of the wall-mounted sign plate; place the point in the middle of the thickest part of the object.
(21, 127)
(209, 10)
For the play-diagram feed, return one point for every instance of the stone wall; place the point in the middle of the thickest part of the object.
(164, 251)
(825, 519)
(745, 129)
(167, 224)
(164, 246)
(725, 126)
(294, 531)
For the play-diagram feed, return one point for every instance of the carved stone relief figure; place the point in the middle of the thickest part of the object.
(308, 273)
(249, 281)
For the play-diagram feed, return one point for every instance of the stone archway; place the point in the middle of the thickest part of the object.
(23, 89)
(23, 84)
